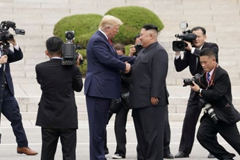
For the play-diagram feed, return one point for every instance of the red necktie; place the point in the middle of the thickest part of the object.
(109, 40)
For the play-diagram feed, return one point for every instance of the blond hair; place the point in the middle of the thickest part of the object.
(109, 21)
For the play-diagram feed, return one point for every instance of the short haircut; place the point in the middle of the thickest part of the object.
(54, 45)
(137, 36)
(119, 46)
(150, 27)
(199, 28)
(109, 21)
(208, 52)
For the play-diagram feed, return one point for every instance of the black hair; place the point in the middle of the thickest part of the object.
(137, 36)
(208, 52)
(150, 26)
(54, 45)
(201, 28)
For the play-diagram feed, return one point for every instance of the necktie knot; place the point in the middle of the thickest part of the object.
(208, 76)
(109, 40)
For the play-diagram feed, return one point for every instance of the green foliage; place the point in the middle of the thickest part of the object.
(133, 19)
(84, 25)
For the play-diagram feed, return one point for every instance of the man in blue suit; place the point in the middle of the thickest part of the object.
(10, 108)
(102, 83)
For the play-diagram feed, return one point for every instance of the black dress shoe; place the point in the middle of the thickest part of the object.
(210, 155)
(168, 156)
(181, 154)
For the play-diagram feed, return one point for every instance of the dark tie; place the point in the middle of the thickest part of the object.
(109, 40)
(208, 76)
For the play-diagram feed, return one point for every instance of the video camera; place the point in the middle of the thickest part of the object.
(69, 54)
(208, 109)
(138, 48)
(186, 36)
(5, 35)
(188, 81)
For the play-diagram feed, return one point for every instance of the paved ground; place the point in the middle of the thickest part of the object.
(8, 145)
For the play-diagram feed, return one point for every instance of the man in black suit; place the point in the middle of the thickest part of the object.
(149, 95)
(214, 88)
(10, 108)
(57, 112)
(191, 60)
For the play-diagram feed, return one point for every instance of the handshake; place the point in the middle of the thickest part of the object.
(127, 68)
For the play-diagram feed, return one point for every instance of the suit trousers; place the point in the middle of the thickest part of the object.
(120, 131)
(68, 138)
(167, 135)
(189, 125)
(207, 136)
(98, 110)
(149, 125)
(10, 110)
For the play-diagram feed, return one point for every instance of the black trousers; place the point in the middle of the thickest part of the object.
(207, 136)
(68, 138)
(167, 134)
(10, 110)
(189, 125)
(149, 126)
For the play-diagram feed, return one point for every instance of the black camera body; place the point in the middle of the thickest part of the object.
(208, 109)
(188, 81)
(5, 35)
(69, 54)
(138, 48)
(185, 36)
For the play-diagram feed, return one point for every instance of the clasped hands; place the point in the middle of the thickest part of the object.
(128, 67)
(3, 59)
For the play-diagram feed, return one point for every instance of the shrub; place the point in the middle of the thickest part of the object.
(133, 19)
(84, 25)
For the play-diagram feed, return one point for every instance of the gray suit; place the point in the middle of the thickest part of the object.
(148, 80)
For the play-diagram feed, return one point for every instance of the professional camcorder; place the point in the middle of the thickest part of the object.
(208, 109)
(138, 48)
(5, 35)
(69, 54)
(186, 36)
(188, 81)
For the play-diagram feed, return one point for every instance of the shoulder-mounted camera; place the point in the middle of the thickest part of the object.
(179, 44)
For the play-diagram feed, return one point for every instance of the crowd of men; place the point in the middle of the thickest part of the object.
(148, 96)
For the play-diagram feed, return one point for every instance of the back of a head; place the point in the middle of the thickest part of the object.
(54, 45)
(208, 52)
(119, 46)
(109, 21)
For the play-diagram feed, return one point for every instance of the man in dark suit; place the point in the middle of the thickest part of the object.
(10, 108)
(57, 112)
(191, 60)
(149, 95)
(102, 83)
(214, 88)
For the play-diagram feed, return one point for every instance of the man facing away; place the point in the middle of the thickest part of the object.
(57, 112)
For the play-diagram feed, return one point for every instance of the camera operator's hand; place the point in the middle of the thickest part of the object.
(78, 60)
(132, 50)
(189, 46)
(13, 42)
(154, 100)
(195, 87)
(3, 59)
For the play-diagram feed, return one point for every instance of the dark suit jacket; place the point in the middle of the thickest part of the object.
(12, 57)
(148, 78)
(57, 107)
(219, 95)
(103, 68)
(192, 61)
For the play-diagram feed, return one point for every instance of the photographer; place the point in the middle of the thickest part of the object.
(134, 49)
(57, 112)
(191, 60)
(215, 88)
(10, 108)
